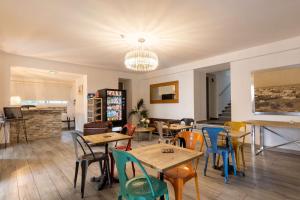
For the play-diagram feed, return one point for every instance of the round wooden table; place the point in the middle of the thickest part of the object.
(149, 130)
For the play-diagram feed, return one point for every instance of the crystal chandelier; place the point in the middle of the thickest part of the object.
(141, 59)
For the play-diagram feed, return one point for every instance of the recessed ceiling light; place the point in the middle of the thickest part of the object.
(52, 72)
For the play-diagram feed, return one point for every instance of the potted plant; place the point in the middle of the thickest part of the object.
(140, 113)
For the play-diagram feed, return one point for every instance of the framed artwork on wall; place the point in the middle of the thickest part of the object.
(276, 91)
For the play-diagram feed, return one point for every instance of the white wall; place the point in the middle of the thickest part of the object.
(241, 90)
(81, 102)
(185, 107)
(199, 95)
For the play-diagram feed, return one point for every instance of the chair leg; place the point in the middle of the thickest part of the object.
(218, 160)
(84, 166)
(233, 162)
(197, 187)
(133, 169)
(214, 160)
(225, 165)
(76, 173)
(120, 197)
(25, 131)
(167, 196)
(206, 162)
(243, 158)
(237, 158)
(112, 166)
(178, 189)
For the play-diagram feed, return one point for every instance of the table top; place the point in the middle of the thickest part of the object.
(238, 134)
(232, 133)
(176, 127)
(153, 157)
(278, 124)
(106, 137)
(142, 129)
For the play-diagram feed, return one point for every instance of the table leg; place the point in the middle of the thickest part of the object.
(261, 141)
(161, 177)
(103, 178)
(253, 144)
(150, 135)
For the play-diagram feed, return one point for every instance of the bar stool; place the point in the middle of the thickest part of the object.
(14, 115)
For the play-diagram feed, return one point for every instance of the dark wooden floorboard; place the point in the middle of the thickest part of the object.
(44, 170)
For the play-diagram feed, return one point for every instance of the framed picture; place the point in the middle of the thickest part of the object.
(276, 91)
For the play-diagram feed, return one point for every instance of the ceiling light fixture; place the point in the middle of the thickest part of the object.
(141, 59)
(52, 72)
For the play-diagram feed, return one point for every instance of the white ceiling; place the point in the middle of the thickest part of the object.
(88, 31)
(40, 75)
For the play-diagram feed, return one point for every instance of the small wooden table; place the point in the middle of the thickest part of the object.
(177, 127)
(153, 157)
(105, 138)
(149, 130)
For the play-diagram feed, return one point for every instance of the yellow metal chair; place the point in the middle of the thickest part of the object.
(238, 146)
(178, 176)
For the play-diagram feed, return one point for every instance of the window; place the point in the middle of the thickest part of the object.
(44, 102)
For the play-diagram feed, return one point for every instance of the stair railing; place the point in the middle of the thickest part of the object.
(225, 89)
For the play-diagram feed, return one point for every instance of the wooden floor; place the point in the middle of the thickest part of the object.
(44, 169)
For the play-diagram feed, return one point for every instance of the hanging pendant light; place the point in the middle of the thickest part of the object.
(141, 59)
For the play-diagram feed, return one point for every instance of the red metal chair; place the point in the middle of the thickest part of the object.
(130, 129)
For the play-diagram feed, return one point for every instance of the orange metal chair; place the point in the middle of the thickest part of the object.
(178, 176)
(238, 146)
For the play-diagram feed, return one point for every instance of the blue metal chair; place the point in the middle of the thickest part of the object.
(142, 187)
(212, 146)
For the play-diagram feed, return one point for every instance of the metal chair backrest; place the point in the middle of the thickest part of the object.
(121, 158)
(160, 128)
(13, 113)
(187, 121)
(193, 140)
(85, 147)
(213, 134)
(130, 131)
(236, 126)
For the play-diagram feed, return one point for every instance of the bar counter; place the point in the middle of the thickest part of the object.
(40, 123)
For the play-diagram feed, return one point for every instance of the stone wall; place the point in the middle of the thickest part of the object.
(39, 124)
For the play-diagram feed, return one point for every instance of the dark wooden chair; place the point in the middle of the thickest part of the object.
(97, 128)
(88, 158)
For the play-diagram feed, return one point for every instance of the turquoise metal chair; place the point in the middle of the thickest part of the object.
(142, 187)
(213, 147)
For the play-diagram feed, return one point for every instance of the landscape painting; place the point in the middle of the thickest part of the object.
(277, 91)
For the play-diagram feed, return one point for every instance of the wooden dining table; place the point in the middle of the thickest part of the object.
(148, 130)
(105, 138)
(153, 157)
(177, 127)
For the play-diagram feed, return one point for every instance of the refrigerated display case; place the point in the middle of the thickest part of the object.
(114, 106)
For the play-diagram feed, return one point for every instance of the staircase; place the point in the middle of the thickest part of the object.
(223, 117)
(226, 114)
